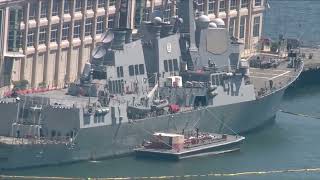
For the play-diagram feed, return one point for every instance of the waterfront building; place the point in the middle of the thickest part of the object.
(46, 43)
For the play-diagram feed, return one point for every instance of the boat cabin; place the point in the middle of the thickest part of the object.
(168, 141)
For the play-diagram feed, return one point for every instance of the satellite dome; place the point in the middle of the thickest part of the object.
(157, 20)
(212, 25)
(203, 19)
(219, 22)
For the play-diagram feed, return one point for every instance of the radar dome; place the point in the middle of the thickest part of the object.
(203, 19)
(212, 25)
(219, 22)
(157, 20)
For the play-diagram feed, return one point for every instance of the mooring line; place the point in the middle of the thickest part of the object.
(299, 114)
(190, 176)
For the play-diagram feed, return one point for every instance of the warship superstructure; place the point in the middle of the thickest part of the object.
(177, 76)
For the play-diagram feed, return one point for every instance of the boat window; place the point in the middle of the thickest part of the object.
(131, 70)
(141, 68)
(170, 65)
(165, 63)
(136, 69)
(120, 71)
(175, 65)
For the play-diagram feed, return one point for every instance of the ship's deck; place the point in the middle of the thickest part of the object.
(280, 76)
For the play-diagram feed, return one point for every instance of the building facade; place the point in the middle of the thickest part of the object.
(47, 42)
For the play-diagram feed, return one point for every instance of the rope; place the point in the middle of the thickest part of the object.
(149, 132)
(298, 114)
(222, 122)
(187, 176)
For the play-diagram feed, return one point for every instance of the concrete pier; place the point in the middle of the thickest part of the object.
(312, 63)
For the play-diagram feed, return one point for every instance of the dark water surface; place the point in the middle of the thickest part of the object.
(292, 142)
(294, 19)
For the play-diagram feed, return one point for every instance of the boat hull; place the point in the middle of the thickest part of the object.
(206, 150)
(123, 138)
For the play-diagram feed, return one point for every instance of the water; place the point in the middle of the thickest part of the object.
(294, 19)
(290, 143)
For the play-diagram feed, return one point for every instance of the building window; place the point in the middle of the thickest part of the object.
(100, 25)
(78, 6)
(111, 21)
(112, 2)
(55, 8)
(101, 3)
(120, 72)
(42, 35)
(141, 69)
(88, 27)
(65, 31)
(200, 5)
(231, 26)
(44, 9)
(77, 29)
(242, 27)
(233, 4)
(257, 3)
(14, 36)
(256, 26)
(89, 4)
(167, 13)
(131, 70)
(222, 6)
(54, 34)
(211, 5)
(30, 38)
(136, 69)
(244, 3)
(146, 14)
(66, 8)
(33, 11)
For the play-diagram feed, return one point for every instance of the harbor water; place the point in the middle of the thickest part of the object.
(291, 142)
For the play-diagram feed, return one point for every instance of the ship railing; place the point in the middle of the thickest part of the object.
(279, 85)
(34, 140)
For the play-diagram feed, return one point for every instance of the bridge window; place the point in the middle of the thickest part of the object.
(120, 71)
(175, 65)
(141, 68)
(136, 69)
(131, 70)
(165, 64)
(170, 65)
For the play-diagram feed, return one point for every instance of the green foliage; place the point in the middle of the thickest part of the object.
(42, 85)
(20, 85)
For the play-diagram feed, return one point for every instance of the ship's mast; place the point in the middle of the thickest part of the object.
(186, 10)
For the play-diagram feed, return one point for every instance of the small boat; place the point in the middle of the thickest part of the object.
(180, 146)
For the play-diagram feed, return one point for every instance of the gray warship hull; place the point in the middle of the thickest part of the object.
(112, 141)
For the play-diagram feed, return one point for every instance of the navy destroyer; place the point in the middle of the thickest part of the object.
(175, 77)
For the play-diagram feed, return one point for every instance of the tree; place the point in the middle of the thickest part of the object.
(20, 85)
